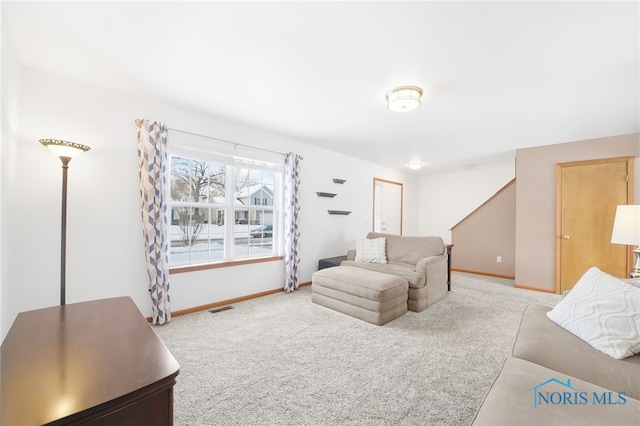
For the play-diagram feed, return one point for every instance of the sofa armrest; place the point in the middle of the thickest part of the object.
(426, 263)
(434, 268)
(351, 254)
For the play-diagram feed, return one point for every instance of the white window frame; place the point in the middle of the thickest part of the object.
(230, 207)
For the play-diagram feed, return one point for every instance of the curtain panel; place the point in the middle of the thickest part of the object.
(152, 160)
(292, 221)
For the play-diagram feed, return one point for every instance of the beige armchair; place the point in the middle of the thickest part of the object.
(422, 261)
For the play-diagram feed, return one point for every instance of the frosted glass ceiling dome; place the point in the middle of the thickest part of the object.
(404, 98)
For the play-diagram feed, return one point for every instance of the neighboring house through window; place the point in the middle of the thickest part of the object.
(222, 207)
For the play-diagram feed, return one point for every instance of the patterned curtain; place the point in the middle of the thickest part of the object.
(152, 159)
(291, 222)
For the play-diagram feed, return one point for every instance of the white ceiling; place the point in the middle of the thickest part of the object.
(497, 76)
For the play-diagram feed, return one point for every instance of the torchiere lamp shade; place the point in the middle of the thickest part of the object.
(64, 148)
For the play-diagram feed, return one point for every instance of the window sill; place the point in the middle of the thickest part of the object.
(222, 264)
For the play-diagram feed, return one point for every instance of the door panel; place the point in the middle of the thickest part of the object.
(589, 194)
(387, 206)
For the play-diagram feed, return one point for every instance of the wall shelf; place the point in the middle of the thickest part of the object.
(340, 181)
(342, 212)
(326, 194)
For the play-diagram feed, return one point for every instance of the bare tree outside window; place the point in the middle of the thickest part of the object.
(196, 181)
(190, 223)
(201, 182)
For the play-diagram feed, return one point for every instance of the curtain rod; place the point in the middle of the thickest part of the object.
(235, 144)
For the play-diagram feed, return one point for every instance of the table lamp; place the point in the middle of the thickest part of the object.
(626, 230)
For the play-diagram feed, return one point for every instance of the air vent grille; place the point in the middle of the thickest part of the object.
(224, 308)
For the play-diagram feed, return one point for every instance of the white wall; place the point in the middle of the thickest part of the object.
(105, 255)
(9, 84)
(447, 198)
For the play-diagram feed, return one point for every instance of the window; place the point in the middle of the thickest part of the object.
(261, 201)
(222, 208)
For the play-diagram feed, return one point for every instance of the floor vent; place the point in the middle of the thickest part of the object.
(224, 308)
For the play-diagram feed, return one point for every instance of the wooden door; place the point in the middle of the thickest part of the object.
(588, 194)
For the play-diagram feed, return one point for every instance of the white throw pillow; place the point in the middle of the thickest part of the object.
(604, 311)
(371, 250)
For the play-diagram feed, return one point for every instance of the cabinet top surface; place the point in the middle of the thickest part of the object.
(66, 359)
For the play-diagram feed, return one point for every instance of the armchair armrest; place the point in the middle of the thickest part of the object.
(351, 254)
(426, 263)
(434, 268)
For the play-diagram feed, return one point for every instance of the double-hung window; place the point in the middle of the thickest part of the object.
(222, 208)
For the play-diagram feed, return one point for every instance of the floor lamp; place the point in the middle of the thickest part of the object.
(626, 230)
(66, 151)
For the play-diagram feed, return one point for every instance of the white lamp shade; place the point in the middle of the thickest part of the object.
(64, 148)
(626, 226)
(403, 99)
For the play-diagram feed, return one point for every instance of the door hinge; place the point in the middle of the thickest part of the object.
(627, 178)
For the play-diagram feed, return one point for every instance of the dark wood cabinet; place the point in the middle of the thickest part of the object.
(95, 363)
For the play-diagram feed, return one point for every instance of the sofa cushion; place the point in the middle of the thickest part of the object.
(527, 394)
(408, 250)
(544, 342)
(415, 279)
(604, 312)
(371, 250)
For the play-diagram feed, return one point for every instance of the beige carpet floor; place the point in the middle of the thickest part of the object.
(282, 360)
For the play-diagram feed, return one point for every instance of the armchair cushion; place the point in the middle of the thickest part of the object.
(408, 250)
(415, 279)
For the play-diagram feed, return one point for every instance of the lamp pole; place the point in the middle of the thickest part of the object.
(63, 227)
(65, 151)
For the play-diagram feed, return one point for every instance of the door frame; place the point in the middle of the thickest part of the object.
(630, 191)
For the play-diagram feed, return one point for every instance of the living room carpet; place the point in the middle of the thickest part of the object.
(282, 360)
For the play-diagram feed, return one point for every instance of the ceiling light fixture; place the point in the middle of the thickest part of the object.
(404, 98)
(415, 166)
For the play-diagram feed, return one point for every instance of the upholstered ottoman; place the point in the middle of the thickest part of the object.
(367, 295)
